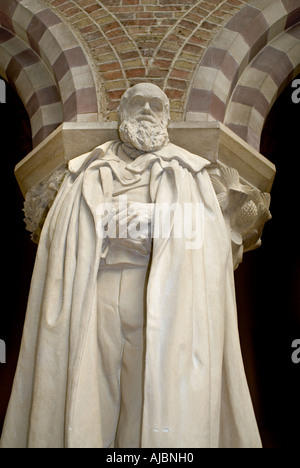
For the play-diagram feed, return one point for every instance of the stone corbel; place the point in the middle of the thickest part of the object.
(245, 209)
(241, 176)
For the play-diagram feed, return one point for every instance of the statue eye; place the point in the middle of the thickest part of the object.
(156, 105)
(137, 102)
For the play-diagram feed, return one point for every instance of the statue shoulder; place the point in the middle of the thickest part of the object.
(193, 162)
(80, 163)
(40, 198)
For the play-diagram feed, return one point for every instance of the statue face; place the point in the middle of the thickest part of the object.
(144, 117)
(146, 103)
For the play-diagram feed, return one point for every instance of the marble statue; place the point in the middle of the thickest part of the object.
(131, 336)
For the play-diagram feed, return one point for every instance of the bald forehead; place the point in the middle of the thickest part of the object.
(147, 90)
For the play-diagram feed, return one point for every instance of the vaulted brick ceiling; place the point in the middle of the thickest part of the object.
(160, 41)
(71, 60)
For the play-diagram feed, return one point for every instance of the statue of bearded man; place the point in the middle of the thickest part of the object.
(131, 335)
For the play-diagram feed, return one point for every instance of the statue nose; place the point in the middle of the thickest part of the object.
(147, 108)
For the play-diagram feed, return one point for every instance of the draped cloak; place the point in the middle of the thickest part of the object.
(195, 388)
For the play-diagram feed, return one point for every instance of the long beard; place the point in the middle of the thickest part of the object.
(144, 136)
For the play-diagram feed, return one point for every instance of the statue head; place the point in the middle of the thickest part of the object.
(144, 116)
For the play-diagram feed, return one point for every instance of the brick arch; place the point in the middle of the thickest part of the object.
(159, 41)
(232, 50)
(45, 63)
(261, 84)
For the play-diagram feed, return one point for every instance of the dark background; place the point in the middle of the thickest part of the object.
(268, 287)
(17, 249)
(267, 282)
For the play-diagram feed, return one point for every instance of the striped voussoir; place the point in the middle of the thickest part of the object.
(44, 62)
(261, 83)
(246, 66)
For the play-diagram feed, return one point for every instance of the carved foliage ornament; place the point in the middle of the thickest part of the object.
(38, 202)
(245, 208)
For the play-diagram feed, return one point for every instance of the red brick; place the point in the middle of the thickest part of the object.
(112, 2)
(130, 2)
(72, 11)
(110, 26)
(106, 67)
(182, 74)
(92, 8)
(157, 72)
(59, 3)
(116, 94)
(163, 63)
(193, 48)
(113, 75)
(174, 94)
(144, 15)
(166, 54)
(132, 54)
(197, 18)
(178, 84)
(115, 33)
(126, 9)
(135, 72)
(197, 40)
(140, 22)
(103, 49)
(188, 25)
(175, 38)
(88, 29)
(208, 25)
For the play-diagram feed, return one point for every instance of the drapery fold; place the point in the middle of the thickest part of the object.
(195, 389)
